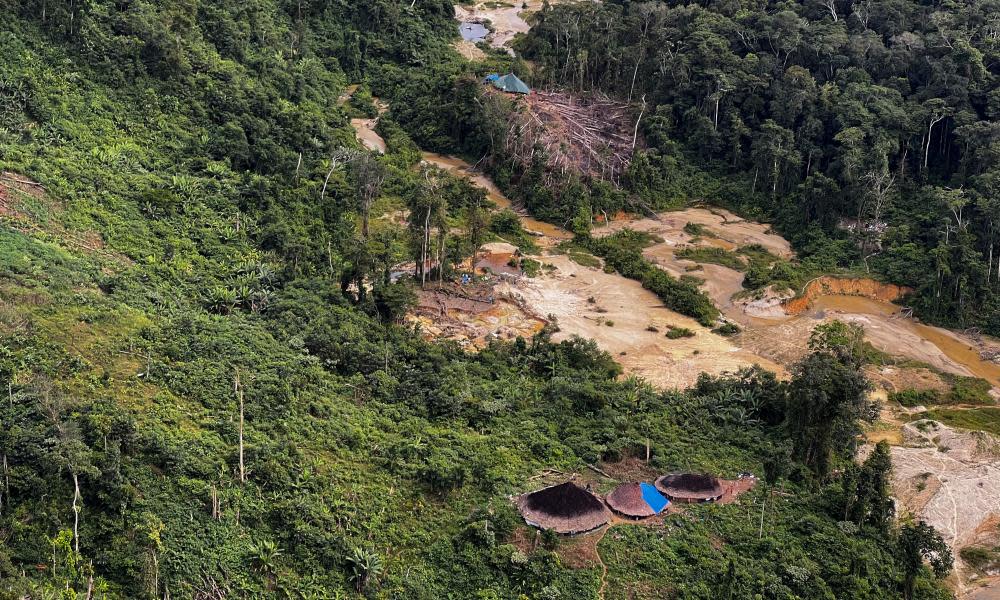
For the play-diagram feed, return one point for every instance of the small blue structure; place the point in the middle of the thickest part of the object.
(511, 84)
(653, 497)
(492, 77)
(637, 500)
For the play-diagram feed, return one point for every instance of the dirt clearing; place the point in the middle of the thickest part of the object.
(620, 315)
(472, 315)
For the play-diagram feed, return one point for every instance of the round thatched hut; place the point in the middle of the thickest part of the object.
(690, 487)
(564, 508)
(637, 500)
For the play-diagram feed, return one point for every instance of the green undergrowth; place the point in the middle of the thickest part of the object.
(976, 419)
(713, 255)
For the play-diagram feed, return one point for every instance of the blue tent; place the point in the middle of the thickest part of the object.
(510, 83)
(492, 77)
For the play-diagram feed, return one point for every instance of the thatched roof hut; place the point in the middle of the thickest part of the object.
(690, 487)
(563, 508)
(636, 500)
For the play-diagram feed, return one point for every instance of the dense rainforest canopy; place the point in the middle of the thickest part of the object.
(201, 400)
(874, 121)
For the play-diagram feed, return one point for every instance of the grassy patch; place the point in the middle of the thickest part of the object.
(968, 390)
(980, 558)
(757, 253)
(713, 255)
(964, 391)
(579, 255)
(698, 230)
(531, 267)
(977, 419)
(911, 398)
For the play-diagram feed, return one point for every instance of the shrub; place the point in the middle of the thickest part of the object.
(713, 255)
(676, 333)
(727, 329)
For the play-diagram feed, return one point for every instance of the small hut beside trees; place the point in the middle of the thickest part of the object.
(690, 487)
(565, 508)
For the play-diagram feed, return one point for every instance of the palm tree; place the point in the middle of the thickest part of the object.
(365, 564)
(265, 558)
(222, 300)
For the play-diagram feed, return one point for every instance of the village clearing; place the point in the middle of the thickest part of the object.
(948, 477)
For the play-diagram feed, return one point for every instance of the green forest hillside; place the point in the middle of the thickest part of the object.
(201, 398)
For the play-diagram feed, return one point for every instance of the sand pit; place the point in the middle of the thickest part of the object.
(768, 331)
(617, 313)
(731, 231)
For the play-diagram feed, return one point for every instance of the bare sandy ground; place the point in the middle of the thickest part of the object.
(951, 479)
(508, 18)
(365, 129)
(618, 318)
(469, 50)
(730, 231)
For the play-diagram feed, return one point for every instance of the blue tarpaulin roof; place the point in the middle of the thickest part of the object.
(492, 77)
(653, 497)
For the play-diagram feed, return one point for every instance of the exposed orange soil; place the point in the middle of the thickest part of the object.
(843, 286)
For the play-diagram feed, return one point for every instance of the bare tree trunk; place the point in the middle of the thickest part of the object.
(76, 512)
(424, 243)
(156, 573)
(763, 503)
(90, 582)
(441, 253)
(635, 133)
(216, 511)
(989, 267)
(927, 148)
(6, 484)
(774, 186)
